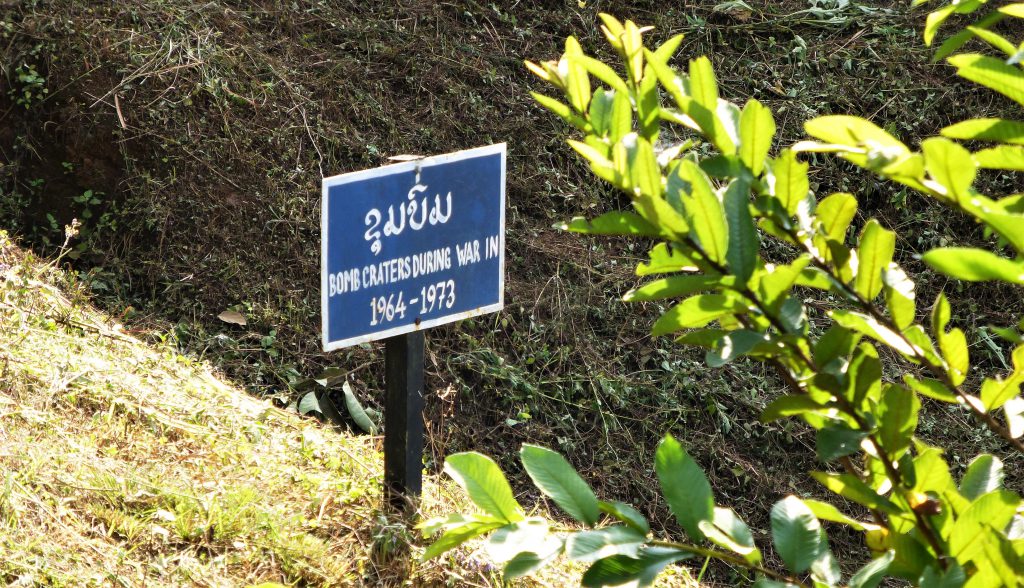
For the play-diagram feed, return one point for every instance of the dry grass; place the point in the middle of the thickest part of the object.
(126, 464)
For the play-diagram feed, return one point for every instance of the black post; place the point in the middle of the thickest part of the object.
(403, 418)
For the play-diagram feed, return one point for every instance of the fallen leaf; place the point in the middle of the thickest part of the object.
(232, 317)
(405, 157)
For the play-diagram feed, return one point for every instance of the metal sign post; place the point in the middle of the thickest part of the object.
(406, 247)
(403, 416)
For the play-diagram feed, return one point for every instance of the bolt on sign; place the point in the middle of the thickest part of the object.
(412, 245)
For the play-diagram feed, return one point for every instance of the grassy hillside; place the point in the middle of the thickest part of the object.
(126, 464)
(190, 138)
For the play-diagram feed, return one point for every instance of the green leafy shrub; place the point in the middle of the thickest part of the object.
(709, 211)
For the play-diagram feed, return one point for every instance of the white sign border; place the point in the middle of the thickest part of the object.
(338, 180)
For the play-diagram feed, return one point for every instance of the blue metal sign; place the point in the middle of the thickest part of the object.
(412, 245)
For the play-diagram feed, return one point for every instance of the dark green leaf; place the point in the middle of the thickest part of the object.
(598, 544)
(864, 375)
(733, 345)
(684, 486)
(790, 405)
(952, 577)
(627, 514)
(870, 576)
(835, 441)
(897, 414)
(527, 563)
(485, 484)
(836, 342)
(796, 533)
(557, 479)
(308, 404)
(743, 241)
(618, 570)
(356, 410)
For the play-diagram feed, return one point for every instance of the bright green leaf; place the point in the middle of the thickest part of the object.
(757, 128)
(996, 391)
(529, 535)
(577, 78)
(877, 246)
(696, 311)
(897, 414)
(931, 388)
(676, 286)
(664, 259)
(1006, 157)
(867, 325)
(835, 213)
(828, 512)
(974, 265)
(706, 214)
(991, 73)
(950, 165)
(612, 223)
(594, 545)
(485, 484)
(640, 572)
(852, 488)
(987, 129)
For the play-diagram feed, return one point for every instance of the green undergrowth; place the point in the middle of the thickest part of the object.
(126, 464)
